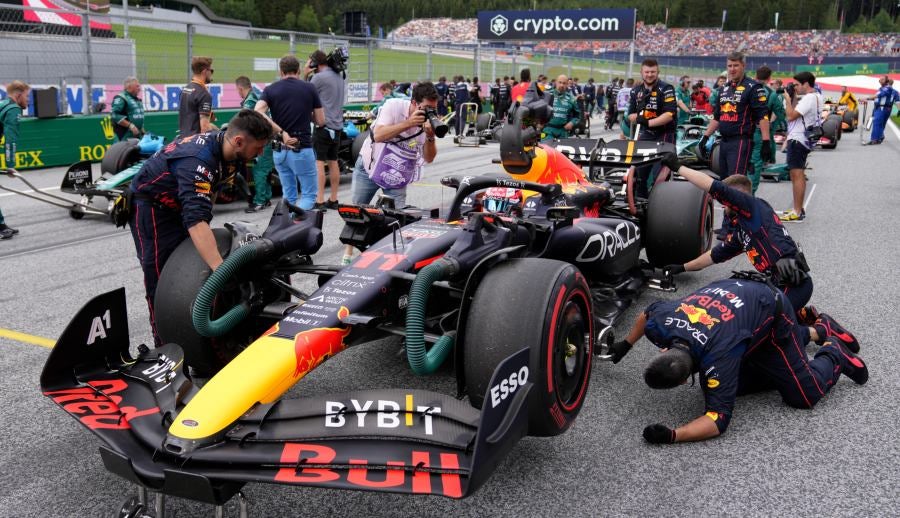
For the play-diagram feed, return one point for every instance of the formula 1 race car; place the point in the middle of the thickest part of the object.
(515, 303)
(687, 141)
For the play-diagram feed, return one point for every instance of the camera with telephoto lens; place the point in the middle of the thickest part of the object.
(440, 127)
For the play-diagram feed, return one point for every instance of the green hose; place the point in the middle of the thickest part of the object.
(422, 361)
(203, 304)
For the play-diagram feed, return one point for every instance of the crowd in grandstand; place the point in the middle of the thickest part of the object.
(659, 40)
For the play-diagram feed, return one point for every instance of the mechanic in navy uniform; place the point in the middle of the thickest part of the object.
(740, 107)
(127, 111)
(443, 90)
(752, 227)
(173, 194)
(262, 191)
(653, 107)
(504, 94)
(740, 335)
(460, 96)
(195, 105)
(590, 96)
(10, 111)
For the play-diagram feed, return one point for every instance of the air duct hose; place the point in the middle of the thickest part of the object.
(204, 301)
(422, 361)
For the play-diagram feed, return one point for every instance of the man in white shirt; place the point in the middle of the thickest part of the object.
(400, 121)
(802, 112)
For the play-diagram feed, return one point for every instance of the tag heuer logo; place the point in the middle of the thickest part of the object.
(499, 25)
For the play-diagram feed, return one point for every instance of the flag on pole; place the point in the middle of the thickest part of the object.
(776, 21)
(667, 17)
(724, 15)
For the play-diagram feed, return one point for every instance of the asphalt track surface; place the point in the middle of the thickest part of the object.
(838, 459)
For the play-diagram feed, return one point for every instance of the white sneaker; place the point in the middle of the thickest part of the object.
(346, 260)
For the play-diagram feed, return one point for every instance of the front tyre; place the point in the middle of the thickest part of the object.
(544, 305)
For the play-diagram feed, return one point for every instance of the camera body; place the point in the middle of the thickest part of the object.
(440, 127)
(338, 59)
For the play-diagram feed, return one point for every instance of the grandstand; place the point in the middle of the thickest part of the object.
(658, 40)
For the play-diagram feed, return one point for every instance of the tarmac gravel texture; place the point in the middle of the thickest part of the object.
(840, 458)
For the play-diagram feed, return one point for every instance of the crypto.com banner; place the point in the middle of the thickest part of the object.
(580, 24)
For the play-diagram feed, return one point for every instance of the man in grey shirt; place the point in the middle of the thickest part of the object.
(327, 139)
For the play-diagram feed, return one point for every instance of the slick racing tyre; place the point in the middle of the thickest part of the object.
(830, 129)
(357, 147)
(483, 122)
(551, 315)
(714, 159)
(679, 223)
(840, 127)
(120, 156)
(850, 119)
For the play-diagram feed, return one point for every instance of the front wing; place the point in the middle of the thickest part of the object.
(407, 441)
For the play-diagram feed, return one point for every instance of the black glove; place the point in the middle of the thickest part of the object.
(789, 271)
(619, 350)
(659, 434)
(673, 269)
(765, 151)
(643, 121)
(704, 140)
(671, 161)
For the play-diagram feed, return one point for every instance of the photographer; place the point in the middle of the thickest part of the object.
(802, 113)
(402, 135)
(327, 139)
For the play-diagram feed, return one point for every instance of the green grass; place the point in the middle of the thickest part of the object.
(162, 57)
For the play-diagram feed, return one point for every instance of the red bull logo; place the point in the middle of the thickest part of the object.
(697, 315)
(314, 346)
(728, 108)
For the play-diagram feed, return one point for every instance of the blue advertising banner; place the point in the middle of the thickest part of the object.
(572, 24)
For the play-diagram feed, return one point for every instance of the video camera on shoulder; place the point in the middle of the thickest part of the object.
(338, 59)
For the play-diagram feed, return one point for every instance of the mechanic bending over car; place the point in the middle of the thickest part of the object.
(566, 111)
(10, 111)
(173, 194)
(740, 335)
(653, 107)
(776, 118)
(751, 226)
(739, 108)
(127, 111)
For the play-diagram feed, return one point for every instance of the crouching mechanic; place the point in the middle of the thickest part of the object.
(751, 226)
(566, 111)
(740, 335)
(173, 194)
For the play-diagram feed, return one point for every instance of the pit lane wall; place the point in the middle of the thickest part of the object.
(67, 139)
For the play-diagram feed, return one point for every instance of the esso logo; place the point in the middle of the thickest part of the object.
(508, 386)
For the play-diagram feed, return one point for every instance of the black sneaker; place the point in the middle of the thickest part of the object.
(6, 233)
(4, 226)
(331, 204)
(807, 315)
(827, 327)
(853, 366)
(319, 206)
(257, 207)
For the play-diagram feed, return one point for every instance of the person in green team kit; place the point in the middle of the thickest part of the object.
(10, 111)
(776, 116)
(264, 163)
(128, 111)
(683, 99)
(566, 112)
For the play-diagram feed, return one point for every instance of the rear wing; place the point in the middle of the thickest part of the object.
(616, 153)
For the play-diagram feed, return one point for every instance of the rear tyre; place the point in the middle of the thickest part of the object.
(830, 129)
(120, 156)
(551, 315)
(483, 122)
(679, 223)
(850, 119)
